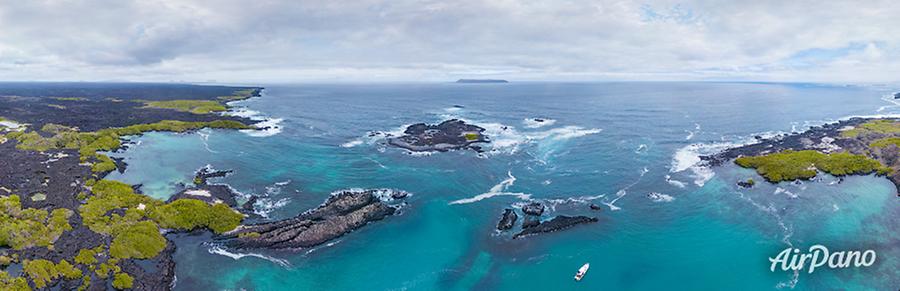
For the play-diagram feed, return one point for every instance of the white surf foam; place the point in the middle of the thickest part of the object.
(268, 127)
(219, 250)
(660, 197)
(352, 143)
(780, 190)
(675, 183)
(534, 123)
(496, 190)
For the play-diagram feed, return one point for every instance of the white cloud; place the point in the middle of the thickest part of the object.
(283, 41)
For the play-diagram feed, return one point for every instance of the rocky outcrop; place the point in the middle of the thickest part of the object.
(530, 221)
(533, 208)
(342, 213)
(448, 135)
(557, 223)
(507, 220)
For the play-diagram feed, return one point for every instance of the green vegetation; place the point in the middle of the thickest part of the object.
(188, 214)
(23, 228)
(884, 142)
(792, 165)
(751, 182)
(882, 126)
(192, 106)
(122, 281)
(70, 98)
(238, 95)
(139, 240)
(43, 272)
(87, 257)
(8, 282)
(136, 233)
(471, 136)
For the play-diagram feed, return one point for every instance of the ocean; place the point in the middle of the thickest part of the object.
(666, 222)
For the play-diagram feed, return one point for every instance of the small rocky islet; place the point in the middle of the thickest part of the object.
(448, 135)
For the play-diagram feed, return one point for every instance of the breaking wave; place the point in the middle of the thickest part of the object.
(266, 126)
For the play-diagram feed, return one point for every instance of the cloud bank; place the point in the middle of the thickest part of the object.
(402, 40)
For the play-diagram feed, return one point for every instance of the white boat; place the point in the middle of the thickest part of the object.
(582, 271)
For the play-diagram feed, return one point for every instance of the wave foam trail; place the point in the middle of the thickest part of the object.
(496, 190)
(219, 250)
(780, 190)
(624, 191)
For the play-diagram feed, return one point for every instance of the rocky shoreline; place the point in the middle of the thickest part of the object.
(856, 135)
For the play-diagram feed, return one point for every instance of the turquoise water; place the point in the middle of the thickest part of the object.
(610, 143)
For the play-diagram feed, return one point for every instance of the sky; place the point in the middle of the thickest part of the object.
(270, 41)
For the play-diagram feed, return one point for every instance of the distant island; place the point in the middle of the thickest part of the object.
(480, 81)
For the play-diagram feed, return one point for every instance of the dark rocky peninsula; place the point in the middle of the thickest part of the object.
(848, 147)
(342, 213)
(448, 135)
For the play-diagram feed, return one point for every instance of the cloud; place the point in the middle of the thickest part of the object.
(426, 40)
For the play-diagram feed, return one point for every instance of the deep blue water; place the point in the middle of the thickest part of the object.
(609, 143)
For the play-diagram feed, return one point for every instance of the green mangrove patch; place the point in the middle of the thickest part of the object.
(192, 106)
(793, 165)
